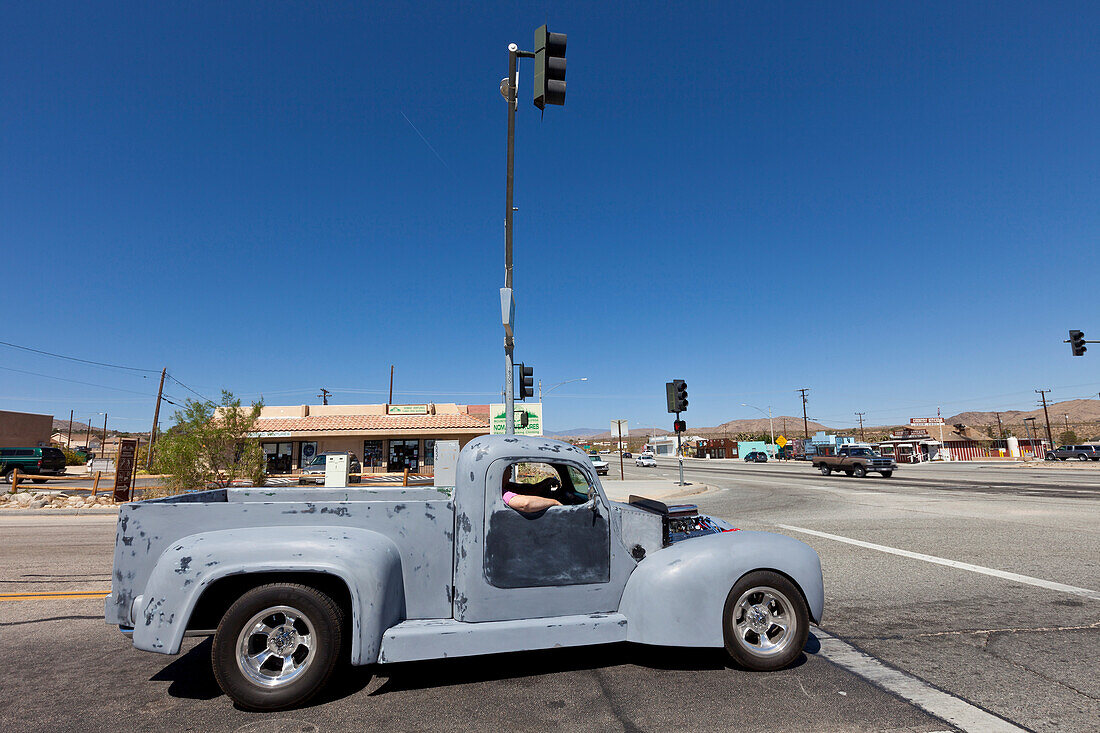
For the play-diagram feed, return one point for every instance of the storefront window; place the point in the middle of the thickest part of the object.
(306, 452)
(372, 454)
(404, 454)
(429, 453)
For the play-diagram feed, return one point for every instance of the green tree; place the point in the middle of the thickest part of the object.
(1068, 437)
(210, 445)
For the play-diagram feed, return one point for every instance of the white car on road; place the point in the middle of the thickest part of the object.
(599, 464)
(646, 460)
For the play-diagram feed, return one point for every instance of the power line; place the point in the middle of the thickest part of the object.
(73, 358)
(76, 381)
(204, 399)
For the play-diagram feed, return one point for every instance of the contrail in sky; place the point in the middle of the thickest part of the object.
(418, 132)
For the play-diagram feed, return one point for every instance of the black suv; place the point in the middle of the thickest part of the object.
(1080, 452)
(757, 457)
(33, 461)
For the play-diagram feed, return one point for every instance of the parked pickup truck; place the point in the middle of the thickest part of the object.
(292, 580)
(855, 460)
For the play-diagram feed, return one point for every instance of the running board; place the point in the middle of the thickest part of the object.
(436, 638)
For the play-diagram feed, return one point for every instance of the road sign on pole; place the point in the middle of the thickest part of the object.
(781, 441)
(620, 431)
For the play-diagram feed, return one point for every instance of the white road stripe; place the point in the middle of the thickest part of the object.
(1015, 577)
(947, 707)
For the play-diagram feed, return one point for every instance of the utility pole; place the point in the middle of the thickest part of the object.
(860, 415)
(1043, 394)
(391, 386)
(805, 420)
(1066, 416)
(156, 421)
(69, 440)
(325, 393)
(103, 443)
(1000, 428)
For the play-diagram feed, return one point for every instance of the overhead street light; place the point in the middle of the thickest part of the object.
(568, 381)
(768, 413)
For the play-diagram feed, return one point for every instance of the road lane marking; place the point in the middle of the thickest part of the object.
(943, 705)
(1015, 577)
(54, 596)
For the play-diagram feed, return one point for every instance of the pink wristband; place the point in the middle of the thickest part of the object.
(509, 495)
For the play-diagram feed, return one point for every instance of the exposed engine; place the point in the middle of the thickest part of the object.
(681, 521)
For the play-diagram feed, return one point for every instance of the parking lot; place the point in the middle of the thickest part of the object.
(977, 583)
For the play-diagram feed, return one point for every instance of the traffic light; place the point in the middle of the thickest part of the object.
(526, 382)
(679, 426)
(521, 418)
(1077, 343)
(549, 68)
(676, 395)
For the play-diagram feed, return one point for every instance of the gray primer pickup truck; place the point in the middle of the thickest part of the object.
(291, 581)
(856, 460)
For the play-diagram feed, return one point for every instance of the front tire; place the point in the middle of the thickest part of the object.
(765, 622)
(40, 480)
(1051, 457)
(887, 474)
(277, 646)
(859, 471)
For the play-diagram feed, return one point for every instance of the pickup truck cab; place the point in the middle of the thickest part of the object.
(293, 580)
(855, 460)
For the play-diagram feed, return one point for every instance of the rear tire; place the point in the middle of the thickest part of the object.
(1082, 457)
(859, 471)
(825, 469)
(765, 622)
(277, 646)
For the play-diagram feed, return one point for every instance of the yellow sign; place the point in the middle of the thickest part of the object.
(407, 410)
(781, 441)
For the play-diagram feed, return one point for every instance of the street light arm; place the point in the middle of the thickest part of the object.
(575, 379)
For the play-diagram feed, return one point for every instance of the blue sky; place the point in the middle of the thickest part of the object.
(893, 205)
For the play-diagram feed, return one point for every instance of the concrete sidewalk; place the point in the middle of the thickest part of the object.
(659, 489)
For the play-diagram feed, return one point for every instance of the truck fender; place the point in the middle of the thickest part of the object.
(676, 596)
(367, 562)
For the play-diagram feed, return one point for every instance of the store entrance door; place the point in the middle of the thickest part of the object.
(278, 457)
(404, 454)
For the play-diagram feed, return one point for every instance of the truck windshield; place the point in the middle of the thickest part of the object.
(865, 452)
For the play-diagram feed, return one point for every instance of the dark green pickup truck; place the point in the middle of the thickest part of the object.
(33, 461)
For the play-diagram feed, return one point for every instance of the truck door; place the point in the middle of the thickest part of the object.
(557, 562)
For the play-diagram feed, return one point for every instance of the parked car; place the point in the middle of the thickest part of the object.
(646, 461)
(1078, 452)
(757, 456)
(605, 451)
(600, 465)
(33, 461)
(856, 460)
(314, 472)
(627, 455)
(293, 585)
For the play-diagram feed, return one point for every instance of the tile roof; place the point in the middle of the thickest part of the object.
(382, 423)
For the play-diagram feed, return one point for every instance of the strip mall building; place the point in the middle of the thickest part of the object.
(386, 438)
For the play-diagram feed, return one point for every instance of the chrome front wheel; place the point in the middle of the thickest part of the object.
(766, 621)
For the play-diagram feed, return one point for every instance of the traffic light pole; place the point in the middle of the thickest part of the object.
(679, 453)
(509, 344)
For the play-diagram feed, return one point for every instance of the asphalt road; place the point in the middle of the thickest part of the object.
(1021, 648)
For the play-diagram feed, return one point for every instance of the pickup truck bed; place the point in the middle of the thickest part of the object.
(420, 522)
